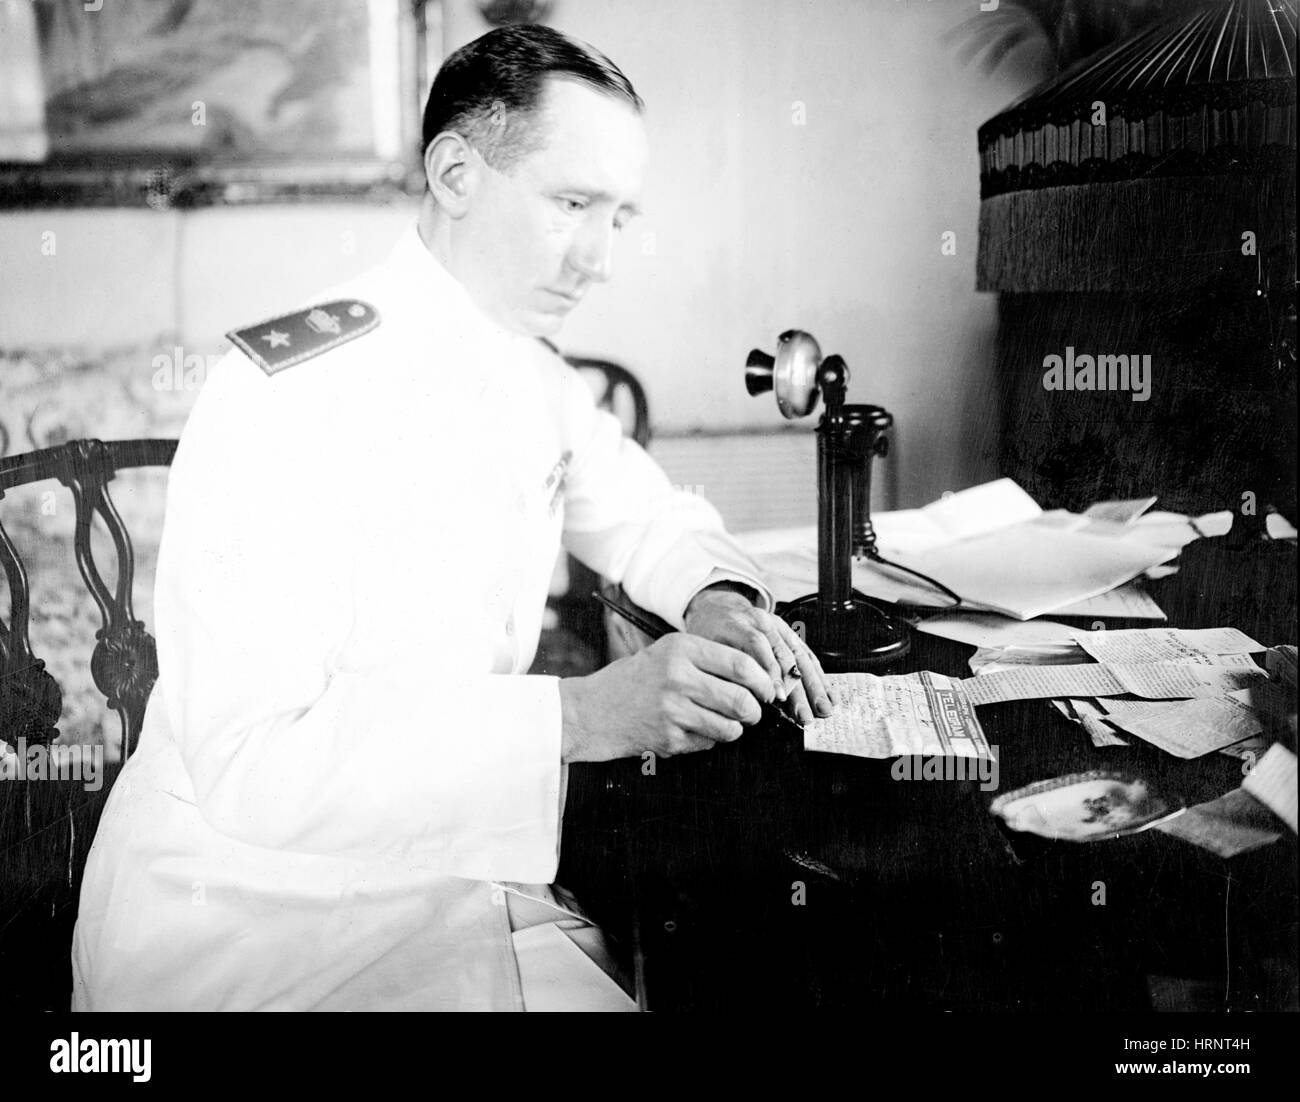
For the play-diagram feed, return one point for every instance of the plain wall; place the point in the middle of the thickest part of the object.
(807, 159)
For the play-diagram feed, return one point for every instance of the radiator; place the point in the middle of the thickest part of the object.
(755, 479)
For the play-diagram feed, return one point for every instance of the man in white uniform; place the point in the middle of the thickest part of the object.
(348, 792)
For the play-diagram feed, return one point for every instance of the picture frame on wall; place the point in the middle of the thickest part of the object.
(183, 103)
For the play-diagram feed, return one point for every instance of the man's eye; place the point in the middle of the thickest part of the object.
(573, 206)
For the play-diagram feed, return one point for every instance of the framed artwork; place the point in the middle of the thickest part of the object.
(177, 103)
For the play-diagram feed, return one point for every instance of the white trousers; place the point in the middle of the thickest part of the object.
(564, 963)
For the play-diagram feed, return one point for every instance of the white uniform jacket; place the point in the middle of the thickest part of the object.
(343, 751)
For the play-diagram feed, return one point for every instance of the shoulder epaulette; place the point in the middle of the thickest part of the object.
(291, 338)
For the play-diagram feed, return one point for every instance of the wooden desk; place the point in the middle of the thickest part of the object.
(912, 895)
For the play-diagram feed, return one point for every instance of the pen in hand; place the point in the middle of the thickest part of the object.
(655, 631)
(789, 683)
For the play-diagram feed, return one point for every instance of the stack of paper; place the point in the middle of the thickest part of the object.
(988, 660)
(1149, 680)
(1237, 821)
(1205, 646)
(1000, 552)
(1227, 700)
(988, 630)
(916, 714)
(1208, 647)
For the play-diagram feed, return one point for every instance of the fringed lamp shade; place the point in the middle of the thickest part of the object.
(1141, 168)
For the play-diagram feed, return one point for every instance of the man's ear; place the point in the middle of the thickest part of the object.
(452, 172)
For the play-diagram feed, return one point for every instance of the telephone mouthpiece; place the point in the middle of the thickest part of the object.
(758, 372)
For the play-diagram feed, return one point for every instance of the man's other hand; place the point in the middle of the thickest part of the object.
(679, 694)
(725, 615)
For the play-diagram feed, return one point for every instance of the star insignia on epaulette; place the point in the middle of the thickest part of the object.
(292, 338)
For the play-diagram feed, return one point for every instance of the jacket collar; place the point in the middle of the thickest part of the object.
(433, 289)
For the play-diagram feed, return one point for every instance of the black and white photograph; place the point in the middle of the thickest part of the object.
(697, 507)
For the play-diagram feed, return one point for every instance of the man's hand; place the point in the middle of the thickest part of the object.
(681, 693)
(725, 615)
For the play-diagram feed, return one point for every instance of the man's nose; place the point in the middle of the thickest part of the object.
(592, 251)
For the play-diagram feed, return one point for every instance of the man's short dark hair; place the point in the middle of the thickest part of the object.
(489, 90)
